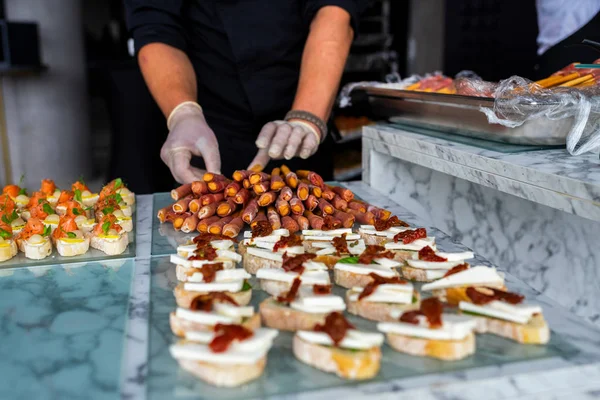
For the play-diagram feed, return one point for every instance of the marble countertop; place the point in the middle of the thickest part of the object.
(551, 177)
(85, 356)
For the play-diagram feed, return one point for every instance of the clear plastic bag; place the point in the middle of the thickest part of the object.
(518, 100)
(393, 82)
(474, 86)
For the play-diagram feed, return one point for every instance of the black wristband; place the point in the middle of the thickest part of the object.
(309, 117)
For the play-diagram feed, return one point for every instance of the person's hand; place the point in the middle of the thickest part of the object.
(189, 135)
(286, 139)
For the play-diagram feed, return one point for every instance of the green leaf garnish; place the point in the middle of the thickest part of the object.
(77, 195)
(21, 180)
(90, 208)
(10, 218)
(5, 234)
(76, 211)
(40, 201)
(118, 183)
(349, 260)
(247, 286)
(108, 210)
(81, 180)
(5, 219)
(118, 198)
(71, 235)
(47, 230)
(106, 227)
(23, 192)
(47, 208)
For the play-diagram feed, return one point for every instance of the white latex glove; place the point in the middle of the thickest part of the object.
(189, 135)
(286, 139)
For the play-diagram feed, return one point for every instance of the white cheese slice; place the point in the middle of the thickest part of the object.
(275, 235)
(307, 278)
(333, 232)
(433, 274)
(267, 255)
(329, 238)
(206, 318)
(364, 269)
(318, 304)
(353, 340)
(445, 265)
(454, 327)
(521, 314)
(387, 293)
(414, 246)
(248, 351)
(222, 244)
(386, 262)
(226, 275)
(475, 276)
(357, 250)
(234, 286)
(228, 254)
(200, 336)
(229, 310)
(184, 262)
(314, 266)
(326, 251)
(465, 255)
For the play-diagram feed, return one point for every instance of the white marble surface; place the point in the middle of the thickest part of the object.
(549, 177)
(555, 378)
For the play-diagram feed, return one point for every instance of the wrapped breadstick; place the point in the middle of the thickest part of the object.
(289, 224)
(194, 206)
(328, 195)
(182, 205)
(277, 182)
(261, 187)
(208, 211)
(217, 186)
(240, 175)
(267, 199)
(325, 207)
(296, 206)
(226, 207)
(260, 217)
(316, 191)
(311, 203)
(170, 215)
(211, 198)
(379, 213)
(257, 177)
(283, 207)
(232, 189)
(217, 227)
(233, 228)
(314, 221)
(290, 178)
(199, 188)
(162, 214)
(203, 224)
(211, 177)
(286, 194)
(313, 177)
(250, 211)
(181, 192)
(190, 224)
(364, 218)
(344, 193)
(273, 217)
(355, 205)
(302, 221)
(302, 192)
(246, 184)
(180, 219)
(242, 197)
(339, 203)
(346, 218)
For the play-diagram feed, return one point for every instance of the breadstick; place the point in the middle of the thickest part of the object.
(181, 192)
(273, 218)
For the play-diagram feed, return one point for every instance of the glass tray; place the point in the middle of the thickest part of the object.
(63, 329)
(284, 374)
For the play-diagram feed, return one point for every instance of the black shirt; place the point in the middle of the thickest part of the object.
(246, 53)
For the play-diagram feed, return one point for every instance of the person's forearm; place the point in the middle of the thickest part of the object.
(323, 61)
(169, 75)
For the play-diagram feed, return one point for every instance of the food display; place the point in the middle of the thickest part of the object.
(347, 258)
(70, 220)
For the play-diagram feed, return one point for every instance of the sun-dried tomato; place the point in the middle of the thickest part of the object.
(384, 225)
(479, 298)
(428, 254)
(376, 281)
(226, 334)
(207, 253)
(432, 309)
(206, 238)
(291, 294)
(341, 245)
(261, 229)
(336, 326)
(209, 271)
(205, 302)
(321, 289)
(372, 252)
(294, 263)
(411, 317)
(330, 223)
(410, 235)
(457, 269)
(288, 241)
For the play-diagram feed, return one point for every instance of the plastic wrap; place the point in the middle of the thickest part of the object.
(518, 100)
(393, 81)
(475, 86)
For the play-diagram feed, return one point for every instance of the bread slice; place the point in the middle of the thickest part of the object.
(111, 247)
(403, 255)
(184, 298)
(415, 274)
(274, 288)
(241, 248)
(347, 364)
(36, 251)
(8, 250)
(180, 326)
(278, 316)
(253, 263)
(377, 311)
(349, 280)
(224, 375)
(449, 350)
(454, 295)
(183, 273)
(535, 332)
(371, 240)
(70, 249)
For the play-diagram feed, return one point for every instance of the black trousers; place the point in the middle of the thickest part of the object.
(139, 130)
(568, 50)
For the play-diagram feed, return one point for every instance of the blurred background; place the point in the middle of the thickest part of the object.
(73, 102)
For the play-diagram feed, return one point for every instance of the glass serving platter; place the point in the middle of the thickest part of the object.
(285, 375)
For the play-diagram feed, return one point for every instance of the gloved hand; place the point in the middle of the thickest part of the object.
(286, 139)
(189, 135)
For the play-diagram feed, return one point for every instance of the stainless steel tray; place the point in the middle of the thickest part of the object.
(462, 115)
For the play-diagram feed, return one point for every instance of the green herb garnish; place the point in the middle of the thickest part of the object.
(349, 260)
(118, 183)
(106, 227)
(247, 286)
(5, 219)
(76, 211)
(23, 192)
(81, 180)
(47, 208)
(77, 195)
(118, 198)
(40, 201)
(71, 235)
(47, 230)
(108, 210)
(5, 234)
(21, 180)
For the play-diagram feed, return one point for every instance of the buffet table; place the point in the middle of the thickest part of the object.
(83, 331)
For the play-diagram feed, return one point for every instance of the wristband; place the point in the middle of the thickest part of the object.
(180, 106)
(310, 117)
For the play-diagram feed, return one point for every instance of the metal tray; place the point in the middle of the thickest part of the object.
(462, 115)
